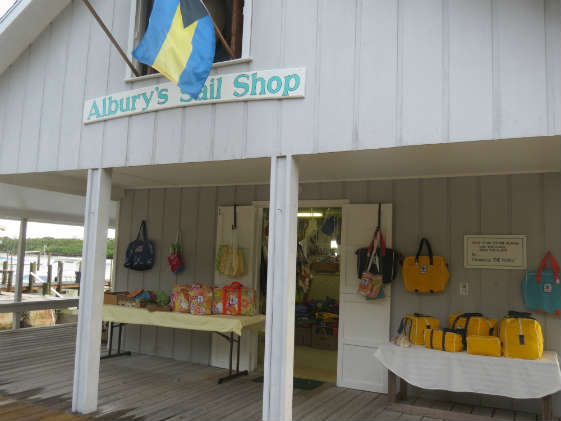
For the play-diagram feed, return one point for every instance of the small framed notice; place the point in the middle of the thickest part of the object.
(495, 251)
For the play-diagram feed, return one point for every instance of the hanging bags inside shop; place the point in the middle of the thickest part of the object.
(484, 345)
(174, 258)
(521, 336)
(387, 259)
(371, 285)
(541, 289)
(140, 252)
(425, 274)
(414, 325)
(448, 340)
(230, 259)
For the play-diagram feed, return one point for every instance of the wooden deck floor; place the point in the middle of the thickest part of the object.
(37, 364)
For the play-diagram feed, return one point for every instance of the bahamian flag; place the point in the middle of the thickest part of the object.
(179, 42)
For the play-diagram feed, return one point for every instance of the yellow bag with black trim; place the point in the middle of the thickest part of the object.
(484, 345)
(475, 322)
(425, 274)
(443, 340)
(413, 326)
(521, 336)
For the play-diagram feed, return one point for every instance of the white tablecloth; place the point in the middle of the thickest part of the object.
(462, 372)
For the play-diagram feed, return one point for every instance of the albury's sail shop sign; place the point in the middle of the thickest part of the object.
(245, 86)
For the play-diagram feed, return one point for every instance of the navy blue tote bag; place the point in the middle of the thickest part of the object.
(140, 253)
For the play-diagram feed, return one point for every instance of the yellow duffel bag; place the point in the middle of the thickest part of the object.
(444, 340)
(484, 345)
(473, 323)
(521, 336)
(413, 326)
(425, 274)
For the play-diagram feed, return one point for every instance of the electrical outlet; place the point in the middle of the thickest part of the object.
(464, 289)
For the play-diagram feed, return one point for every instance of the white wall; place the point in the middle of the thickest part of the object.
(380, 73)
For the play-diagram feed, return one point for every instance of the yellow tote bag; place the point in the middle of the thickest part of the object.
(425, 274)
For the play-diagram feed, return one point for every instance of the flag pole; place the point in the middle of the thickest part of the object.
(222, 39)
(110, 36)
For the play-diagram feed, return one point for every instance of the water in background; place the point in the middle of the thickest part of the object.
(71, 266)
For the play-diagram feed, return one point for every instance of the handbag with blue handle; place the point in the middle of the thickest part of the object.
(541, 289)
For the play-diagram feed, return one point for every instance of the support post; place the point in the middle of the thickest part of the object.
(49, 277)
(4, 272)
(88, 337)
(32, 270)
(60, 270)
(281, 290)
(19, 274)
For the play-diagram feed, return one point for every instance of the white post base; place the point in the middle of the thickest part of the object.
(88, 338)
(281, 290)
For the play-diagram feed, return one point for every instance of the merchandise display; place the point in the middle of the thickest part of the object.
(414, 325)
(541, 289)
(180, 298)
(425, 274)
(174, 259)
(200, 299)
(484, 345)
(443, 339)
(521, 336)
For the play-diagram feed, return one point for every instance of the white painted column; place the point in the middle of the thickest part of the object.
(88, 339)
(18, 287)
(281, 290)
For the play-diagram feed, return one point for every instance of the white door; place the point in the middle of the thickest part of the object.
(363, 325)
(248, 231)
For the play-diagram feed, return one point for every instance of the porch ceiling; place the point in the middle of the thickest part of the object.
(512, 156)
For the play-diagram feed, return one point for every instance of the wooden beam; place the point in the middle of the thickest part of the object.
(237, 27)
(88, 338)
(281, 290)
(111, 37)
(18, 290)
(39, 305)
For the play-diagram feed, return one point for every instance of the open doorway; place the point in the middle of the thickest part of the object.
(317, 291)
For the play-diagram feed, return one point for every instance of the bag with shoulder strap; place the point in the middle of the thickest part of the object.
(371, 285)
(387, 259)
(448, 340)
(541, 289)
(472, 324)
(140, 252)
(521, 336)
(414, 325)
(425, 274)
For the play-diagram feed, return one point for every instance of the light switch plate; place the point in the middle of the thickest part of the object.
(464, 289)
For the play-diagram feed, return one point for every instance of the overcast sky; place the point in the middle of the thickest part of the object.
(5, 5)
(38, 230)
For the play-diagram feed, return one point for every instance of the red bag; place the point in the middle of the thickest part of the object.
(174, 259)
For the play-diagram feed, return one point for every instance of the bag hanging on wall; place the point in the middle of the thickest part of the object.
(387, 259)
(230, 259)
(371, 285)
(425, 274)
(541, 289)
(140, 252)
(174, 258)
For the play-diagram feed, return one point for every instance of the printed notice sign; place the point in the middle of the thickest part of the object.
(495, 251)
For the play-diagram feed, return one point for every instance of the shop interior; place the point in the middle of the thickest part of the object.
(317, 292)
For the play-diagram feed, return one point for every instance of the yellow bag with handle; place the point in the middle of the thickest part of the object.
(425, 274)
(521, 336)
(413, 326)
(443, 340)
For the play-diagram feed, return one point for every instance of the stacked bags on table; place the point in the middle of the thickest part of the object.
(234, 299)
(518, 335)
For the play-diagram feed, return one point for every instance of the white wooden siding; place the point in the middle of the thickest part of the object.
(380, 73)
